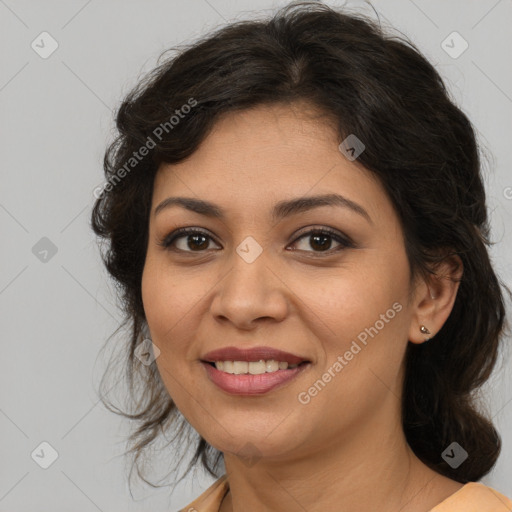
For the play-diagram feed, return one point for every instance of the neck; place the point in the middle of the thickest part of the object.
(362, 471)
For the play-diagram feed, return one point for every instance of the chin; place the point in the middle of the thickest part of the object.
(256, 445)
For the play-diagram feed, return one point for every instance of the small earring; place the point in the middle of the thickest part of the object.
(424, 330)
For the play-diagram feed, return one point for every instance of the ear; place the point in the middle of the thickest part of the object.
(434, 299)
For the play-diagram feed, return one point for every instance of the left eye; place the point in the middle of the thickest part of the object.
(322, 239)
(198, 241)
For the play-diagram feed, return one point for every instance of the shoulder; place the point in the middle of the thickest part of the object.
(209, 500)
(475, 497)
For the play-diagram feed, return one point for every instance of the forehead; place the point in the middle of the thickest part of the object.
(254, 158)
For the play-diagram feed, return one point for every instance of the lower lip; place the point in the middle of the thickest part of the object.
(248, 384)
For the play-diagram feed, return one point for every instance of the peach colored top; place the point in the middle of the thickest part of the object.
(472, 497)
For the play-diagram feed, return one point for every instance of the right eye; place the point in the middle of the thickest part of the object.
(194, 240)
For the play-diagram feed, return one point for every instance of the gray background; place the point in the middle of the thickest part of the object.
(55, 119)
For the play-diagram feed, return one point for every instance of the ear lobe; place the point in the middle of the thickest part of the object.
(435, 298)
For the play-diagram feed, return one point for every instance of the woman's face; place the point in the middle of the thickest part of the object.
(258, 276)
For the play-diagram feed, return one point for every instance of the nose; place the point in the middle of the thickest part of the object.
(250, 293)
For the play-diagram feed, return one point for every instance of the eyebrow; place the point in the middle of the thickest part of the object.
(281, 209)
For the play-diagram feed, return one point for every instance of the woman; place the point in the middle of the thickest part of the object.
(297, 222)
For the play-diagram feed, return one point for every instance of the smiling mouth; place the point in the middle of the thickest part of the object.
(253, 367)
(253, 378)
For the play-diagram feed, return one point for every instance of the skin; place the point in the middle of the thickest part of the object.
(345, 450)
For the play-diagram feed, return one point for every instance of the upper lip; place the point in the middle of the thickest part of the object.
(251, 354)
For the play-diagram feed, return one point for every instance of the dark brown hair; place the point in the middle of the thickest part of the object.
(420, 146)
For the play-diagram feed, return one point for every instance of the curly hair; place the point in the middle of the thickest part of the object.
(420, 146)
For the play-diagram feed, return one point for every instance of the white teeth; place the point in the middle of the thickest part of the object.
(257, 368)
(271, 366)
(240, 367)
(253, 368)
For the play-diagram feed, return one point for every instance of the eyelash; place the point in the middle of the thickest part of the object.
(344, 241)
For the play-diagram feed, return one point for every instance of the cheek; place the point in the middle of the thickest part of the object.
(156, 300)
(173, 302)
(169, 299)
(359, 313)
(166, 304)
(345, 302)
